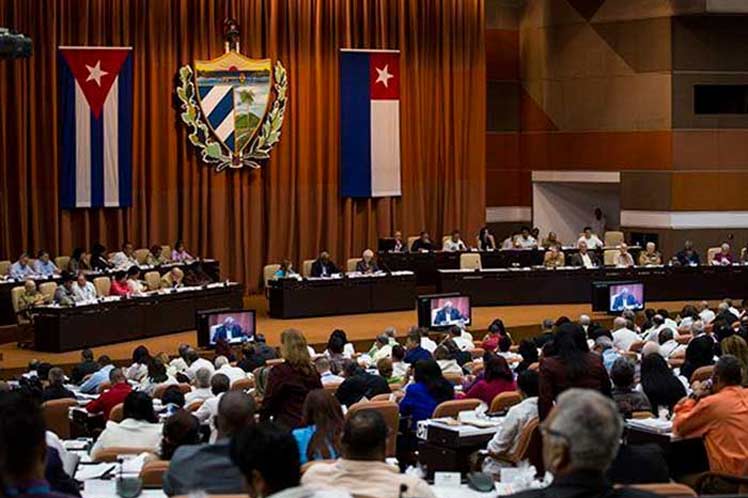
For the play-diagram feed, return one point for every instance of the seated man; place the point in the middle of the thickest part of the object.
(448, 315)
(228, 330)
(64, 295)
(233, 373)
(201, 388)
(322, 366)
(362, 470)
(56, 388)
(718, 412)
(650, 256)
(688, 256)
(44, 266)
(85, 367)
(505, 441)
(219, 385)
(83, 290)
(91, 385)
(422, 243)
(551, 241)
(623, 259)
(113, 396)
(584, 257)
(156, 256)
(415, 351)
(172, 279)
(208, 467)
(399, 244)
(367, 263)
(511, 241)
(723, 257)
(628, 399)
(125, 258)
(21, 270)
(554, 258)
(593, 241)
(31, 297)
(360, 384)
(454, 243)
(525, 239)
(323, 266)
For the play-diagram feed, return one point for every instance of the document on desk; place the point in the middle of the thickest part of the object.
(95, 471)
(655, 425)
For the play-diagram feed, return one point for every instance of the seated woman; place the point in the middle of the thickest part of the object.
(429, 389)
(180, 254)
(447, 364)
(180, 429)
(137, 288)
(321, 429)
(485, 240)
(79, 261)
(659, 383)
(156, 256)
(497, 378)
(626, 397)
(139, 429)
(119, 285)
(505, 441)
(286, 270)
(156, 377)
(141, 358)
(529, 353)
(495, 331)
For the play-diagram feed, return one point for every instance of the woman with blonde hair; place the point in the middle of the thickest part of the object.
(289, 382)
(736, 346)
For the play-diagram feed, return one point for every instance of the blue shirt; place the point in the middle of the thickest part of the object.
(21, 272)
(96, 379)
(416, 354)
(417, 403)
(45, 269)
(303, 436)
(609, 357)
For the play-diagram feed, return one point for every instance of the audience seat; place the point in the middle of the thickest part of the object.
(350, 265)
(332, 388)
(268, 272)
(111, 454)
(470, 261)
(453, 407)
(15, 296)
(529, 445)
(710, 253)
(194, 406)
(152, 473)
(141, 255)
(612, 238)
(669, 489)
(504, 400)
(158, 393)
(684, 339)
(609, 257)
(701, 374)
(274, 361)
(48, 289)
(708, 481)
(642, 415)
(4, 267)
(306, 268)
(411, 240)
(391, 413)
(453, 378)
(637, 346)
(166, 251)
(56, 416)
(102, 284)
(167, 280)
(62, 262)
(118, 413)
(153, 280)
(242, 384)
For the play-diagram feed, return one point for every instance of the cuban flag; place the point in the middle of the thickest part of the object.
(96, 128)
(370, 123)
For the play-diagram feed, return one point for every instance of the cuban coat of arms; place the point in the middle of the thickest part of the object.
(229, 107)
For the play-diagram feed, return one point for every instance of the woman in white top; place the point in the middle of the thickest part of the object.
(156, 377)
(139, 429)
(83, 290)
(447, 364)
(141, 357)
(133, 283)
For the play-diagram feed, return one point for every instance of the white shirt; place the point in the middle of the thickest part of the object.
(137, 371)
(507, 438)
(122, 261)
(136, 287)
(197, 394)
(197, 365)
(586, 260)
(669, 348)
(207, 414)
(383, 352)
(624, 338)
(526, 243)
(452, 246)
(329, 379)
(233, 373)
(593, 242)
(707, 316)
(84, 294)
(450, 367)
(400, 369)
(508, 243)
(463, 343)
(129, 433)
(428, 344)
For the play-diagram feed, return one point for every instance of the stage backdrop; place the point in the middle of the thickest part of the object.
(292, 206)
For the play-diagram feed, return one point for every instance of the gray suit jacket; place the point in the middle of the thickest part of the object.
(205, 467)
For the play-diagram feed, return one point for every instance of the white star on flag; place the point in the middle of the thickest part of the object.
(95, 73)
(384, 75)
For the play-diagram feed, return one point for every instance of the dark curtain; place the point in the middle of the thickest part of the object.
(289, 208)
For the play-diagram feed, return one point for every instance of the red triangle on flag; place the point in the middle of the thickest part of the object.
(95, 70)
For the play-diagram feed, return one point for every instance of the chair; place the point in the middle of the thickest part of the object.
(56, 416)
(350, 265)
(529, 445)
(701, 374)
(669, 489)
(166, 251)
(534, 366)
(118, 413)
(268, 272)
(453, 378)
(62, 262)
(391, 413)
(612, 238)
(306, 268)
(15, 299)
(242, 384)
(152, 473)
(111, 454)
(452, 408)
(102, 284)
(637, 346)
(141, 255)
(48, 289)
(411, 240)
(710, 253)
(504, 400)
(153, 280)
(609, 257)
(642, 415)
(184, 388)
(167, 280)
(684, 338)
(194, 406)
(470, 261)
(708, 481)
(332, 388)
(4, 267)
(274, 361)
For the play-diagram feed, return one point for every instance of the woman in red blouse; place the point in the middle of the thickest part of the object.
(119, 285)
(497, 378)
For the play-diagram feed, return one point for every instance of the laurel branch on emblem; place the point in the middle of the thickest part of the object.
(214, 152)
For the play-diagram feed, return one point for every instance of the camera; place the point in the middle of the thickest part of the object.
(14, 45)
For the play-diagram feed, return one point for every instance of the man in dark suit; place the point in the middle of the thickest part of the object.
(228, 330)
(448, 315)
(581, 437)
(688, 256)
(323, 266)
(85, 367)
(422, 243)
(584, 257)
(624, 300)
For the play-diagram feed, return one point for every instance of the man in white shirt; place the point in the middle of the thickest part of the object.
(201, 390)
(460, 338)
(233, 373)
(658, 324)
(206, 414)
(322, 365)
(668, 345)
(454, 243)
(526, 240)
(83, 290)
(706, 315)
(732, 309)
(125, 258)
(196, 363)
(623, 337)
(362, 470)
(426, 342)
(623, 259)
(592, 240)
(585, 321)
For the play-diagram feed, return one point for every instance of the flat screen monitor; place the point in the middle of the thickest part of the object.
(439, 311)
(236, 326)
(615, 297)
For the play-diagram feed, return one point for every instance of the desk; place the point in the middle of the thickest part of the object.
(63, 329)
(8, 316)
(499, 287)
(683, 456)
(293, 298)
(426, 265)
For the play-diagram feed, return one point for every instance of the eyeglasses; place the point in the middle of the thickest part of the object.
(547, 431)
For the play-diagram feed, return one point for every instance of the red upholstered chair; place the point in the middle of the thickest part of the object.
(504, 400)
(391, 413)
(56, 416)
(452, 408)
